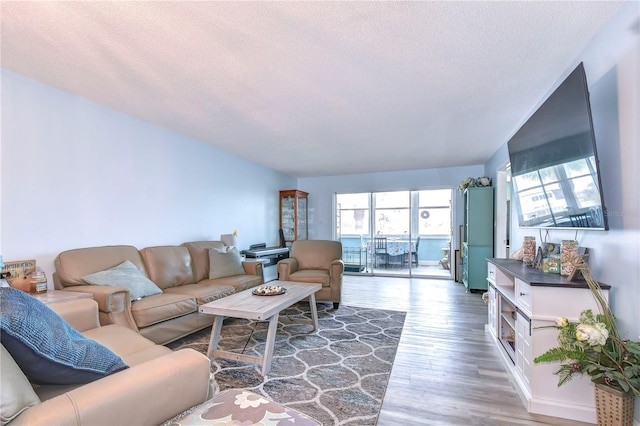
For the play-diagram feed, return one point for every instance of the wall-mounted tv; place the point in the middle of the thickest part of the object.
(554, 164)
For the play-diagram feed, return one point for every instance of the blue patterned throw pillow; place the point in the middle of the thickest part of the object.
(47, 349)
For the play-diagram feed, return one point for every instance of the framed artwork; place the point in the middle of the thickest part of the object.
(19, 273)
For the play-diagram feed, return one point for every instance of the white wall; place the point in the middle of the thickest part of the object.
(322, 190)
(76, 174)
(612, 66)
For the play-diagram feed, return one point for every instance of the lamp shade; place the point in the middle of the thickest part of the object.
(229, 240)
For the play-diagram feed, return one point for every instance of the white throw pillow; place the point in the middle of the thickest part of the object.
(125, 275)
(17, 393)
(225, 263)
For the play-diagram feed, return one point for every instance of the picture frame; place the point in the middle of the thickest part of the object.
(18, 273)
(550, 249)
(537, 263)
(576, 274)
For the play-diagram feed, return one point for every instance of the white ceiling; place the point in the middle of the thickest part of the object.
(311, 88)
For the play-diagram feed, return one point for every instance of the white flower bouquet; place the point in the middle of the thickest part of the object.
(593, 346)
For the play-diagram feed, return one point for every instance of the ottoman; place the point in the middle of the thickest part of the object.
(242, 407)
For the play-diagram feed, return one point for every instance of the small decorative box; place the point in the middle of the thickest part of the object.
(551, 264)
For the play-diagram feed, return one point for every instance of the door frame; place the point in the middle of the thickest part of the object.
(501, 220)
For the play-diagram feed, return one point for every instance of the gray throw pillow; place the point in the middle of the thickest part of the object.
(46, 347)
(125, 275)
(225, 263)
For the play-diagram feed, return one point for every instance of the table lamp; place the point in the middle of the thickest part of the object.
(229, 240)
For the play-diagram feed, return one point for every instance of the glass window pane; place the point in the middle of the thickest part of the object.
(434, 221)
(354, 222)
(352, 201)
(435, 198)
(392, 221)
(354, 213)
(392, 199)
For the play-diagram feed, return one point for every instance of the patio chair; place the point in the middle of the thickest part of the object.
(380, 251)
(414, 253)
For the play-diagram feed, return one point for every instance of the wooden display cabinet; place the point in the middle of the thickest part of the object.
(294, 215)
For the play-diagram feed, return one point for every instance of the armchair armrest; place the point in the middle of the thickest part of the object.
(146, 394)
(336, 268)
(286, 267)
(114, 305)
(81, 314)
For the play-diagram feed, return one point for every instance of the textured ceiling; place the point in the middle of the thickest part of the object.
(311, 88)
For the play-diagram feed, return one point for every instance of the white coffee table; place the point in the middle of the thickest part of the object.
(261, 308)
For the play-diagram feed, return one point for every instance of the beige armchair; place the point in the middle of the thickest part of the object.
(315, 261)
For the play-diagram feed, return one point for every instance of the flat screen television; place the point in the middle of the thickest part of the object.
(554, 164)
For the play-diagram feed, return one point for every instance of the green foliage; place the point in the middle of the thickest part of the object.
(593, 347)
(474, 183)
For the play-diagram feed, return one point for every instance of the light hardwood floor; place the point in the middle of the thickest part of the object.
(446, 371)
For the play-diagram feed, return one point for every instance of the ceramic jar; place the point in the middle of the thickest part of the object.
(529, 250)
(568, 256)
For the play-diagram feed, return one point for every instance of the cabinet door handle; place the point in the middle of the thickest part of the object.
(523, 294)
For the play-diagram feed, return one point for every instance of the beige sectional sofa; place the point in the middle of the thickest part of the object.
(185, 275)
(157, 385)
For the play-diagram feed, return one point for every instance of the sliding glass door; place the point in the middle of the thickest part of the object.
(399, 233)
(353, 229)
(434, 227)
(392, 232)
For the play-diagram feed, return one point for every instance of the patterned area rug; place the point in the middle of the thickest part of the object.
(337, 375)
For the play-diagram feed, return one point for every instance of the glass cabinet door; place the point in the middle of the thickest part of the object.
(287, 205)
(303, 232)
(294, 215)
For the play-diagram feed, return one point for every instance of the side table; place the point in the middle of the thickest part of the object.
(57, 296)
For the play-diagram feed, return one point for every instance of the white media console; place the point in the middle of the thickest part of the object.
(521, 300)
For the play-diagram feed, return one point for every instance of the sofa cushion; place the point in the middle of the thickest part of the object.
(17, 393)
(225, 263)
(204, 293)
(121, 340)
(125, 275)
(168, 266)
(320, 276)
(72, 265)
(238, 282)
(162, 307)
(46, 347)
(199, 251)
